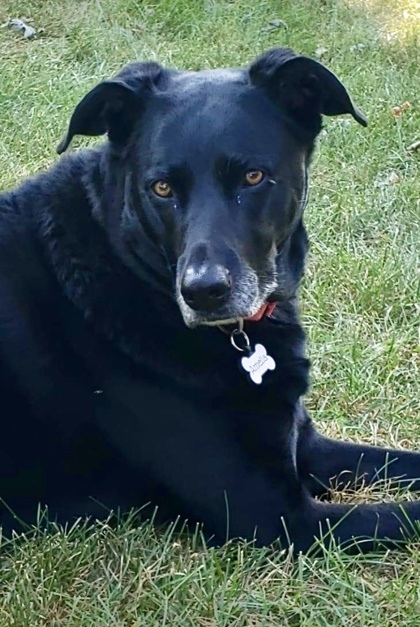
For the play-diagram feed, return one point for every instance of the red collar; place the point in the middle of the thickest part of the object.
(265, 311)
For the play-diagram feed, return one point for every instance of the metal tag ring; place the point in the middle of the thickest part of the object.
(238, 333)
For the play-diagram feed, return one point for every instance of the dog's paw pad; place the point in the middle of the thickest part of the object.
(258, 363)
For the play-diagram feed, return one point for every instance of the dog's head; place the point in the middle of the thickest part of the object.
(212, 167)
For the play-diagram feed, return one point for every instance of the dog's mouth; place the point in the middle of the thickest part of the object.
(265, 310)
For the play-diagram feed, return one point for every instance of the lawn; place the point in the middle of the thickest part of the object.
(360, 303)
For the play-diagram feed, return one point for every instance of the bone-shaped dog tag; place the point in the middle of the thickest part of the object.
(258, 363)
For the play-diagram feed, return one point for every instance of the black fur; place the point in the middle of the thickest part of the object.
(115, 391)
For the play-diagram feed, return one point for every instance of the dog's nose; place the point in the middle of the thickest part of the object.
(206, 289)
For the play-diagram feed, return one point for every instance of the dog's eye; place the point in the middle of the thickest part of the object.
(254, 177)
(162, 189)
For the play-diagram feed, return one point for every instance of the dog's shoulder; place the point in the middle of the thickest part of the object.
(26, 209)
(20, 211)
(18, 256)
(30, 297)
(25, 274)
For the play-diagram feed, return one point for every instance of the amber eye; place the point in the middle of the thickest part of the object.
(162, 189)
(254, 177)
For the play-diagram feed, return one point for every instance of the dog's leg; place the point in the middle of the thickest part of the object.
(213, 482)
(355, 528)
(198, 465)
(321, 460)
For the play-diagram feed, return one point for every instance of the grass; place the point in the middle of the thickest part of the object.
(359, 303)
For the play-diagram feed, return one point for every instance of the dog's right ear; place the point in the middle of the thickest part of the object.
(113, 106)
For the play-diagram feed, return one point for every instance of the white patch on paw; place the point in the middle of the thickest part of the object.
(258, 363)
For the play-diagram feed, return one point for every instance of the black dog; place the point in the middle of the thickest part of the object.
(127, 373)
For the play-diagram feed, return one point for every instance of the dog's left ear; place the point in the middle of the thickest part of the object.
(113, 106)
(304, 88)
